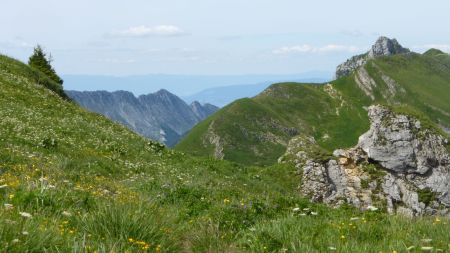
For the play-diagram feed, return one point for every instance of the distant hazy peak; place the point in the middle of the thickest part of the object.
(382, 47)
(203, 111)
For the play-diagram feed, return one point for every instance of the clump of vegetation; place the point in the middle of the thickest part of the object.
(426, 195)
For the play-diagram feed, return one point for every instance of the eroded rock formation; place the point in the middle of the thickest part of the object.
(398, 165)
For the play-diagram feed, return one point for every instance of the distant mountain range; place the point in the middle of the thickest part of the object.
(224, 95)
(181, 85)
(160, 116)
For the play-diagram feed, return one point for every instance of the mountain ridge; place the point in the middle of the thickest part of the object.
(257, 130)
(161, 116)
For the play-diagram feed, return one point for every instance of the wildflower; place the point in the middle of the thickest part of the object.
(303, 214)
(66, 213)
(15, 241)
(394, 251)
(25, 233)
(3, 186)
(26, 215)
(354, 218)
(342, 237)
(372, 208)
(426, 248)
(296, 209)
(426, 240)
(410, 248)
(332, 248)
(11, 196)
(314, 213)
(8, 206)
(130, 240)
(226, 201)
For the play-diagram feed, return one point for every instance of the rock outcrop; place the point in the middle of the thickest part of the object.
(398, 166)
(382, 47)
(160, 116)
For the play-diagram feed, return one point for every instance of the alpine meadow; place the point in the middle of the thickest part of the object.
(359, 163)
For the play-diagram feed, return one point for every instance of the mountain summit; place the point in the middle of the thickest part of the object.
(382, 47)
(385, 46)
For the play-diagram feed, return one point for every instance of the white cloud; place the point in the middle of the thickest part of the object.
(312, 49)
(147, 31)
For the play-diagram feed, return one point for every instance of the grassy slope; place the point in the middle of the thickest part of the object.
(93, 186)
(311, 110)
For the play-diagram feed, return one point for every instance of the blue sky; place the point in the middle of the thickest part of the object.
(209, 37)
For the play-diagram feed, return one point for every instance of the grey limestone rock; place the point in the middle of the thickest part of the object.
(397, 165)
(382, 47)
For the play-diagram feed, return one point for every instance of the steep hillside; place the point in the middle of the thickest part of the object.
(160, 116)
(73, 181)
(257, 130)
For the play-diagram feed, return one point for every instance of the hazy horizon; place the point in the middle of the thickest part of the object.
(212, 37)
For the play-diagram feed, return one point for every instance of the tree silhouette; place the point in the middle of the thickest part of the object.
(40, 61)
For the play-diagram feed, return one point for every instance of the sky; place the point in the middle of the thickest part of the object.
(214, 37)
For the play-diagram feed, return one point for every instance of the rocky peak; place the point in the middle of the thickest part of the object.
(382, 47)
(385, 46)
(398, 166)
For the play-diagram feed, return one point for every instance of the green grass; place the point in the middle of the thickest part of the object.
(256, 131)
(91, 185)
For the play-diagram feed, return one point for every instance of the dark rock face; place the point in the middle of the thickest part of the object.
(382, 47)
(160, 116)
(397, 165)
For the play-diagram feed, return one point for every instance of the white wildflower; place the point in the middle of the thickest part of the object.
(296, 209)
(15, 241)
(427, 248)
(3, 186)
(66, 213)
(8, 206)
(26, 215)
(372, 208)
(25, 233)
(354, 218)
(314, 213)
(332, 248)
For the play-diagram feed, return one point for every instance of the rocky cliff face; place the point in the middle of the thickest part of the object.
(160, 116)
(398, 165)
(382, 47)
